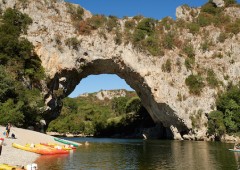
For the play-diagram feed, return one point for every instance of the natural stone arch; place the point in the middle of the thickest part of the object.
(164, 94)
(161, 113)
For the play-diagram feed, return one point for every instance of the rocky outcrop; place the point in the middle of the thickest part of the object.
(107, 94)
(219, 3)
(165, 95)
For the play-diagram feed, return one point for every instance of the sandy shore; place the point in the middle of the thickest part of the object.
(15, 156)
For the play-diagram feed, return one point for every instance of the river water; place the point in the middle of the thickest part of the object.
(131, 154)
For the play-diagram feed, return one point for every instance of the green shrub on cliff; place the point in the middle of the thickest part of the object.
(227, 116)
(212, 80)
(216, 123)
(195, 84)
(145, 37)
(230, 2)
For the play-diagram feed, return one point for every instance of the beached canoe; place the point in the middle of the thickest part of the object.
(55, 150)
(234, 150)
(54, 145)
(39, 149)
(67, 142)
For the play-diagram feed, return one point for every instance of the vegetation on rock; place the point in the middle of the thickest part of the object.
(21, 72)
(195, 84)
(226, 119)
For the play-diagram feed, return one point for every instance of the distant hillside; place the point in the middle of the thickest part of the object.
(104, 113)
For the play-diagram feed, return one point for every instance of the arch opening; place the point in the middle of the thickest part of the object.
(67, 80)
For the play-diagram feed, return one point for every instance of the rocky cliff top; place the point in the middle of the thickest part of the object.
(107, 94)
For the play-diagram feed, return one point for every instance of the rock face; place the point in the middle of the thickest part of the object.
(164, 95)
(219, 3)
(108, 94)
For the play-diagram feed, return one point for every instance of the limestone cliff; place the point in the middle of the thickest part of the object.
(164, 93)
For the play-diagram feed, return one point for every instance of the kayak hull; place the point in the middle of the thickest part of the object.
(234, 150)
(7, 167)
(40, 149)
(53, 145)
(67, 142)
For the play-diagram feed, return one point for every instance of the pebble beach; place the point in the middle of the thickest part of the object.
(13, 156)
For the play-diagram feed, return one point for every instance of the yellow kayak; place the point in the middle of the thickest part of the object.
(37, 148)
(7, 167)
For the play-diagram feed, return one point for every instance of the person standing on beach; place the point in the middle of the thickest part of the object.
(8, 127)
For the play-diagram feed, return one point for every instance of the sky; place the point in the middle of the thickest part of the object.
(156, 9)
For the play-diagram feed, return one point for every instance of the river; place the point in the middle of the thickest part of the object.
(131, 154)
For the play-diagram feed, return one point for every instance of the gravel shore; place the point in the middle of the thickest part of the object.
(15, 156)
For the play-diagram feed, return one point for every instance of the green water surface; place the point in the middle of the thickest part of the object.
(114, 154)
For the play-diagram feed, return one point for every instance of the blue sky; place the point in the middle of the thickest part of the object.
(149, 8)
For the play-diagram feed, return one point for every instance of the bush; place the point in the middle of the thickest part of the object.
(233, 27)
(193, 27)
(76, 12)
(205, 19)
(73, 43)
(229, 104)
(230, 2)
(119, 105)
(147, 25)
(195, 84)
(146, 37)
(166, 23)
(118, 38)
(222, 37)
(84, 28)
(130, 24)
(205, 45)
(15, 22)
(210, 8)
(168, 40)
(133, 105)
(112, 22)
(211, 79)
(21, 102)
(189, 50)
(151, 44)
(189, 63)
(167, 67)
(96, 21)
(216, 123)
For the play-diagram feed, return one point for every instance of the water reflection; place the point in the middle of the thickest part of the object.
(144, 155)
(237, 158)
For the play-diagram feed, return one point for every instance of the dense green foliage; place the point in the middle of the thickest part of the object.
(227, 116)
(216, 124)
(20, 72)
(89, 115)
